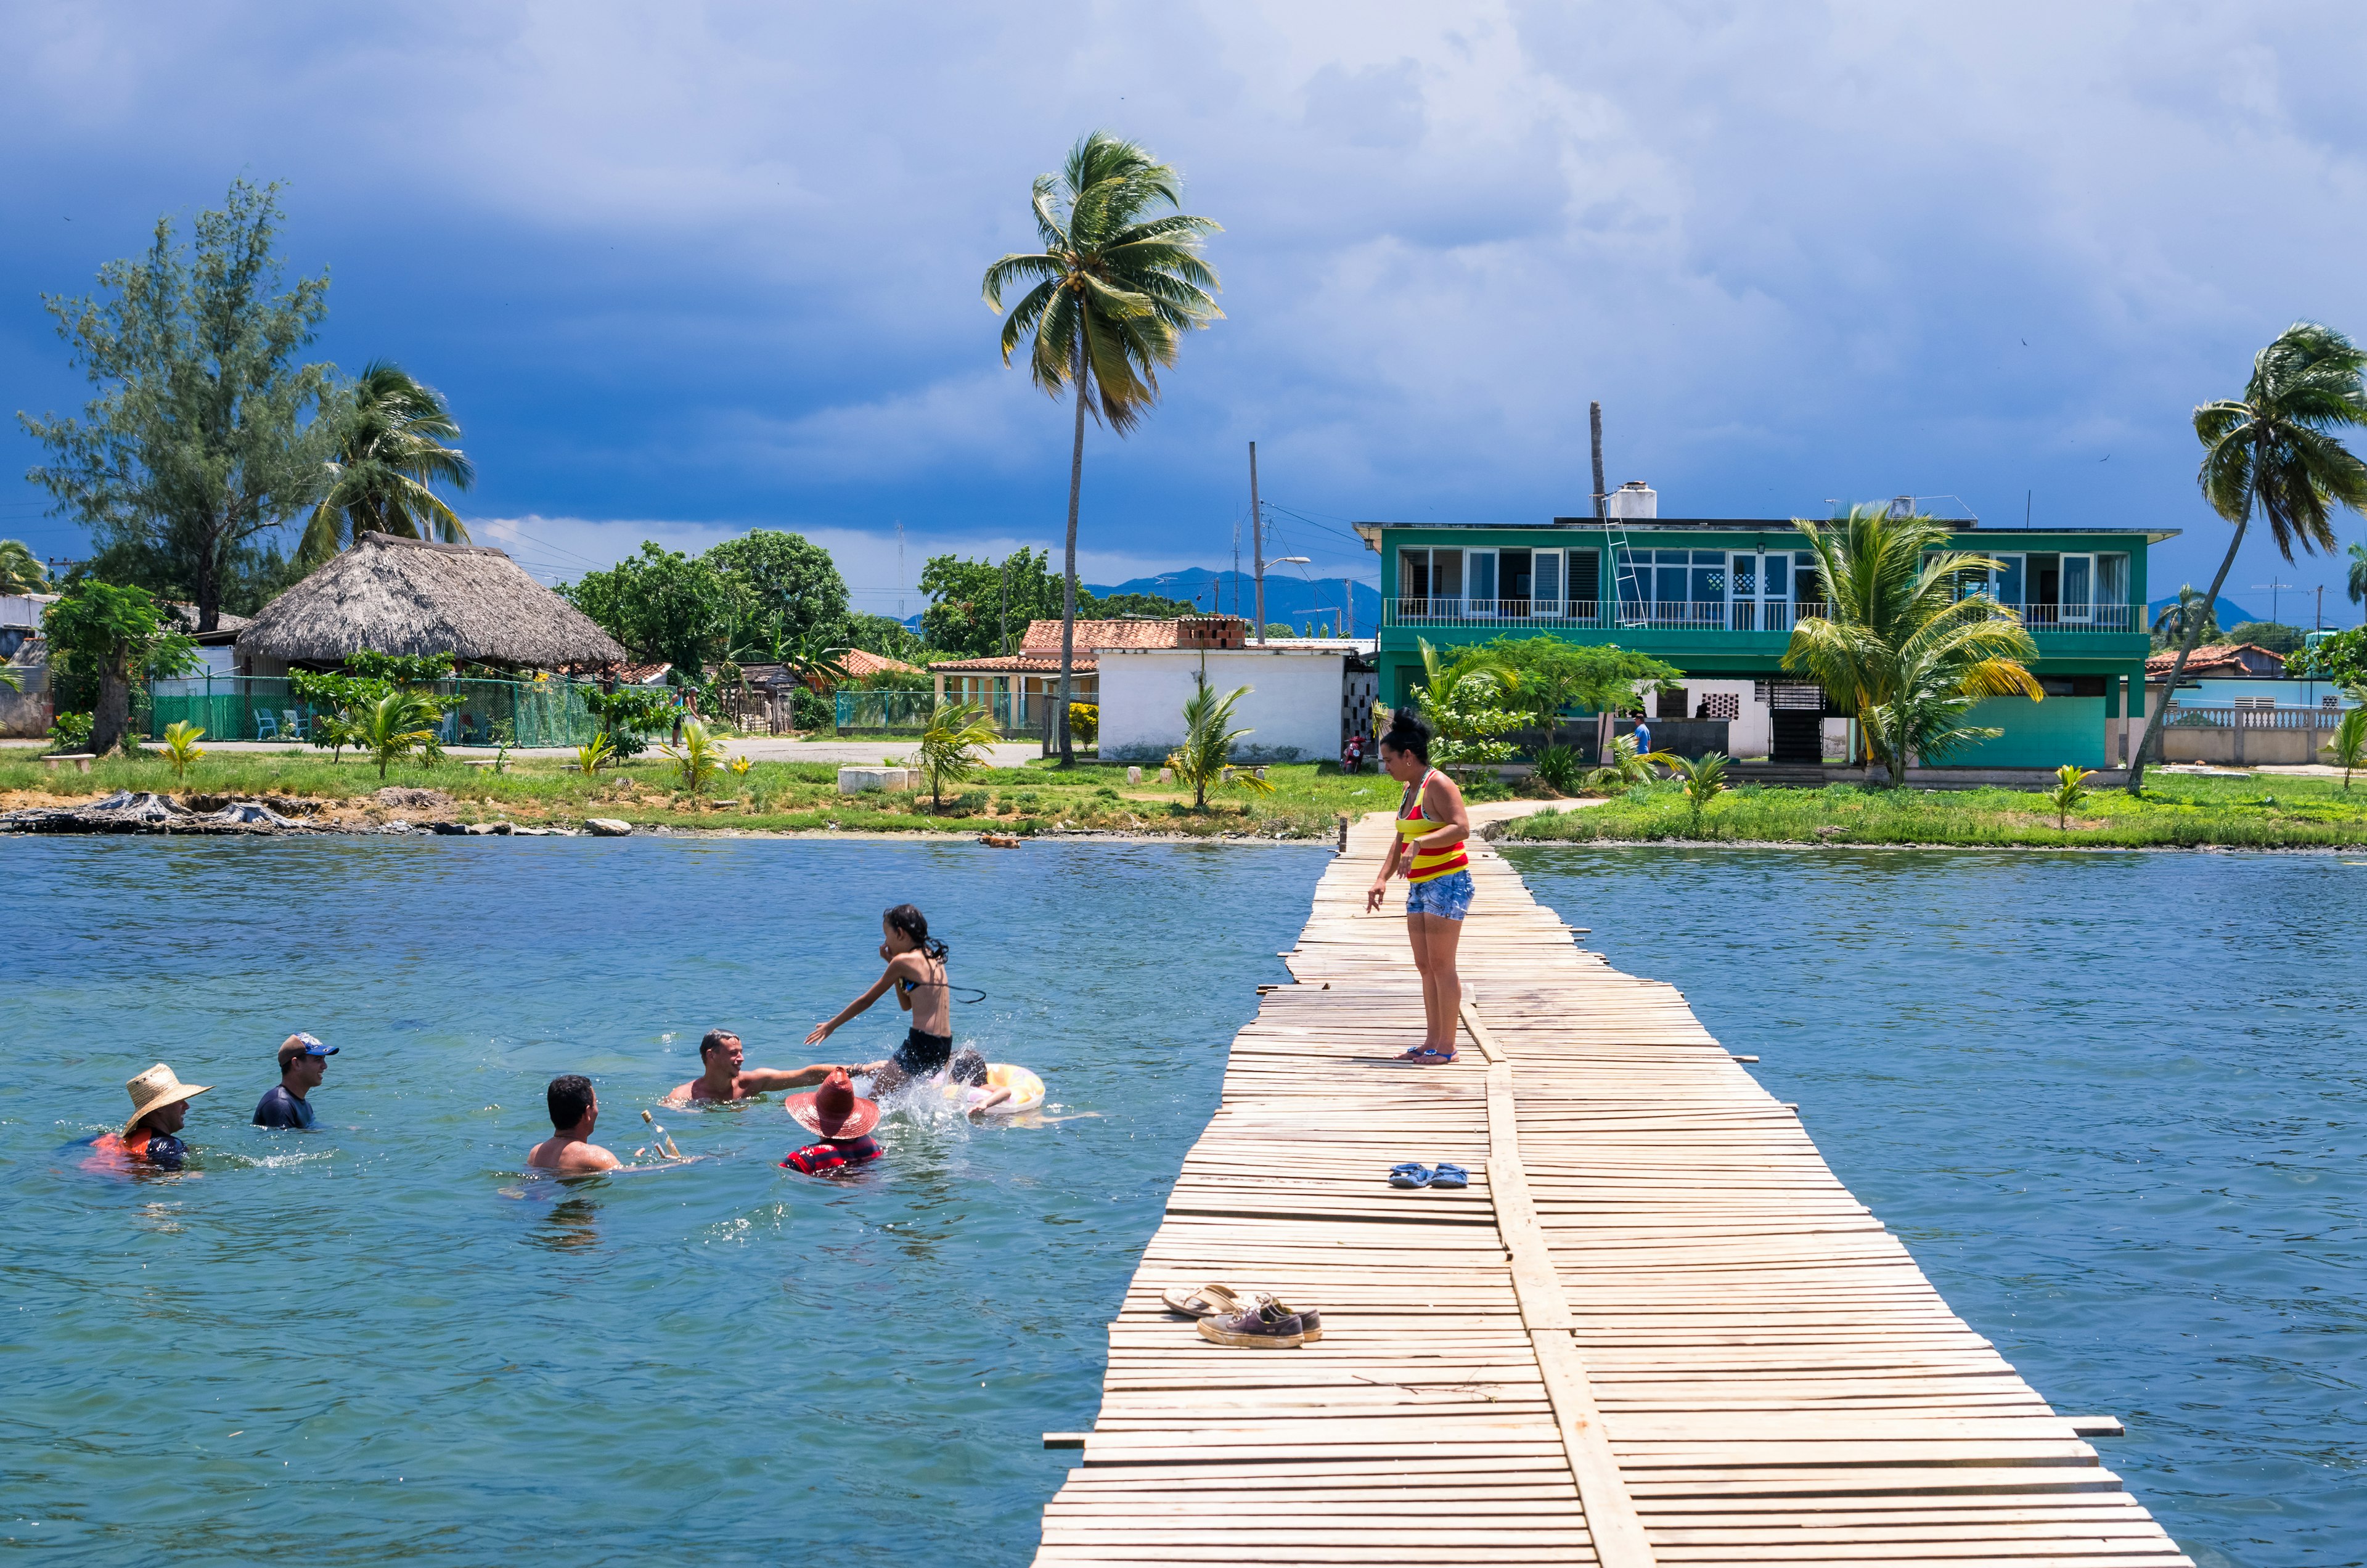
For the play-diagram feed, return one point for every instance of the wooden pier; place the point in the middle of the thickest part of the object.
(1654, 1329)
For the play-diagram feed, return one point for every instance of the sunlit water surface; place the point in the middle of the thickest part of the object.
(2113, 1103)
(2116, 1104)
(377, 1343)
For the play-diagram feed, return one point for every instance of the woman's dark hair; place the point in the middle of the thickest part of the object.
(1407, 733)
(569, 1095)
(915, 924)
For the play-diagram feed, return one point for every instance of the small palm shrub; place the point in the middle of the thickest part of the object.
(2071, 789)
(696, 759)
(1557, 768)
(397, 724)
(181, 747)
(2348, 745)
(954, 747)
(1203, 759)
(590, 758)
(1705, 780)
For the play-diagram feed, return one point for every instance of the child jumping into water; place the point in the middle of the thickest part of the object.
(916, 968)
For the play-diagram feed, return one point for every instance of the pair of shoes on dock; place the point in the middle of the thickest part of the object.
(1255, 1321)
(1427, 1056)
(1412, 1174)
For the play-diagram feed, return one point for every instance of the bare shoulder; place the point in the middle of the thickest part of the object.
(592, 1156)
(682, 1094)
(1439, 787)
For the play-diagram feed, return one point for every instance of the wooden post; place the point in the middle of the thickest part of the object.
(1594, 425)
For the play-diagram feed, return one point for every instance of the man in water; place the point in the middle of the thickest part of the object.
(303, 1063)
(160, 1106)
(722, 1075)
(574, 1111)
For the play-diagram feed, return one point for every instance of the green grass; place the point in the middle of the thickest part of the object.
(772, 796)
(2176, 811)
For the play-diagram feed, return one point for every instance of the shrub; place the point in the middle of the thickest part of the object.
(1086, 724)
(1558, 767)
(70, 732)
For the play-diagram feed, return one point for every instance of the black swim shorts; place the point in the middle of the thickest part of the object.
(921, 1054)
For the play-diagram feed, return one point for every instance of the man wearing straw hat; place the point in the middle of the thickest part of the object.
(842, 1120)
(160, 1105)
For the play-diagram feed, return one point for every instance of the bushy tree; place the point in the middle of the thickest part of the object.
(664, 606)
(115, 635)
(2341, 659)
(2274, 635)
(970, 615)
(788, 593)
(202, 437)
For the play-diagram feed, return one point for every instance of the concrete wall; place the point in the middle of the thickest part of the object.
(1750, 732)
(2037, 735)
(26, 714)
(1294, 703)
(2244, 746)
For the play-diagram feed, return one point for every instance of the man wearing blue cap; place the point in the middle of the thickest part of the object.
(303, 1063)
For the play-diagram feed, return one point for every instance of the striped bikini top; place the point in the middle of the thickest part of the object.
(1427, 865)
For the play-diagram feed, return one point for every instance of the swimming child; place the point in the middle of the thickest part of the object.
(916, 968)
(977, 1096)
(842, 1120)
(160, 1106)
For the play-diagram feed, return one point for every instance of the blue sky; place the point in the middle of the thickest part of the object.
(692, 270)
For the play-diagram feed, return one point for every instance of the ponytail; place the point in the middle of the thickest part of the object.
(1407, 733)
(909, 919)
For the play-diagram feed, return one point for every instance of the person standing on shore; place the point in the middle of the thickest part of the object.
(303, 1063)
(1431, 827)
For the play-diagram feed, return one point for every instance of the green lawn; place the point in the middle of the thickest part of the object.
(1307, 802)
(2177, 810)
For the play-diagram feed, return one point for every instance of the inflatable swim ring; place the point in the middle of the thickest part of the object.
(1026, 1089)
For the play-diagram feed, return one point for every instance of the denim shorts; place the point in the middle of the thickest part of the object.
(1448, 896)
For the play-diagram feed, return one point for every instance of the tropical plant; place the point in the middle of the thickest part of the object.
(1625, 768)
(740, 767)
(664, 606)
(1115, 289)
(1208, 736)
(181, 747)
(2274, 451)
(2071, 789)
(1899, 646)
(21, 571)
(954, 747)
(2348, 747)
(787, 595)
(1557, 768)
(696, 759)
(630, 715)
(594, 754)
(1085, 722)
(117, 634)
(505, 737)
(197, 444)
(2191, 608)
(2355, 583)
(399, 723)
(70, 733)
(1705, 780)
(390, 433)
(1555, 677)
(2341, 657)
(2274, 635)
(1469, 700)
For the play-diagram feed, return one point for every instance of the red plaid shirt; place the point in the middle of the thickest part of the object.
(832, 1158)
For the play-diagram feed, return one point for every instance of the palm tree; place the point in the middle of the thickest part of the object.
(1208, 736)
(2357, 585)
(2189, 608)
(21, 572)
(1115, 291)
(1908, 655)
(389, 449)
(2274, 450)
(958, 743)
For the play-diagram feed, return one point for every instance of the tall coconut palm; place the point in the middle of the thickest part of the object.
(2357, 584)
(21, 571)
(1900, 644)
(1115, 289)
(2189, 608)
(2274, 451)
(391, 448)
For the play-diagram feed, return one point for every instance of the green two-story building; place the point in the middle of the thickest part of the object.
(1717, 598)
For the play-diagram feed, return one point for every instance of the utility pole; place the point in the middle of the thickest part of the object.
(2274, 588)
(1257, 544)
(1594, 425)
(1237, 566)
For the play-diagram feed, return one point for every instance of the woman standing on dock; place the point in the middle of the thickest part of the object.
(1431, 825)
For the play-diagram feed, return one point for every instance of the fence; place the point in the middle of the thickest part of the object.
(2183, 717)
(1701, 614)
(863, 712)
(264, 708)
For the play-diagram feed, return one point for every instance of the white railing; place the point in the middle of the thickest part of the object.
(1703, 616)
(2183, 716)
(1491, 613)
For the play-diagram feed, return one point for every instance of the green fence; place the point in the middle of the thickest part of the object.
(264, 708)
(861, 712)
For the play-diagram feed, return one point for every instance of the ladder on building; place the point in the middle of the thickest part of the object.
(1626, 590)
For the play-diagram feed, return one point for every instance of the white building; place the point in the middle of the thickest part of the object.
(1305, 697)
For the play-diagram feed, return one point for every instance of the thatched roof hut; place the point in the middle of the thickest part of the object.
(413, 597)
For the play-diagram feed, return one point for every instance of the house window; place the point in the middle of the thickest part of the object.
(1545, 583)
(1675, 588)
(1426, 574)
(1585, 583)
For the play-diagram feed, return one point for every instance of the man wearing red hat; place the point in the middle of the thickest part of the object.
(842, 1120)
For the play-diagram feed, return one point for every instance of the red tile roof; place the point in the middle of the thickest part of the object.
(1080, 662)
(862, 661)
(2223, 658)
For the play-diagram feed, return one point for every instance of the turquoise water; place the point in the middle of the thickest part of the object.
(2115, 1103)
(375, 1342)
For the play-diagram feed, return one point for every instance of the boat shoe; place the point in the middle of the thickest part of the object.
(1270, 1326)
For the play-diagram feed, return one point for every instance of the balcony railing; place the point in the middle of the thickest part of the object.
(1703, 616)
(2183, 716)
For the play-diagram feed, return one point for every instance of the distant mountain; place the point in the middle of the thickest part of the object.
(1334, 605)
(2231, 614)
